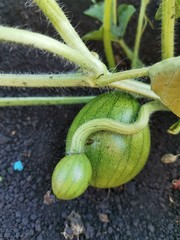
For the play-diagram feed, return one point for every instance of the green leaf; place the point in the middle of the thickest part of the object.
(165, 82)
(158, 14)
(125, 12)
(94, 35)
(175, 128)
(96, 11)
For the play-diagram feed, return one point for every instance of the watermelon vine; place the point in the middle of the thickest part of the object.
(109, 141)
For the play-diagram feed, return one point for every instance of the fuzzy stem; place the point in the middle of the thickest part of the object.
(46, 43)
(136, 88)
(59, 20)
(134, 73)
(107, 33)
(45, 80)
(34, 101)
(72, 80)
(167, 29)
(104, 124)
(139, 32)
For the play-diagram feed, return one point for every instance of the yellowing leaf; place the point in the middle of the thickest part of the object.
(165, 82)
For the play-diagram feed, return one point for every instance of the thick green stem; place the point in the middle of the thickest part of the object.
(107, 33)
(34, 101)
(134, 73)
(72, 80)
(139, 32)
(136, 88)
(104, 124)
(45, 80)
(167, 29)
(49, 44)
(59, 20)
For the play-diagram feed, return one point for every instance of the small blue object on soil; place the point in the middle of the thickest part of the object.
(18, 166)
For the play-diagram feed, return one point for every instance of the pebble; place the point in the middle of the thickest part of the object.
(29, 178)
(18, 214)
(10, 170)
(4, 139)
(170, 226)
(133, 203)
(25, 221)
(7, 235)
(33, 216)
(39, 237)
(135, 222)
(151, 228)
(128, 233)
(38, 228)
(110, 230)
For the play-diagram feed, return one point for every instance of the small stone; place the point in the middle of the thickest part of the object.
(128, 233)
(18, 214)
(4, 139)
(7, 235)
(39, 237)
(29, 178)
(10, 170)
(18, 220)
(170, 226)
(103, 217)
(110, 230)
(133, 203)
(135, 222)
(151, 228)
(33, 216)
(50, 227)
(25, 221)
(38, 227)
(31, 232)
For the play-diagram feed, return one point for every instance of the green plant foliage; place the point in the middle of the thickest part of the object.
(96, 35)
(96, 11)
(165, 78)
(175, 128)
(158, 14)
(125, 12)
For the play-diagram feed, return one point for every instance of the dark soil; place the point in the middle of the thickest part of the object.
(145, 208)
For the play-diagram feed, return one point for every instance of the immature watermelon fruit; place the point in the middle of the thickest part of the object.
(115, 158)
(71, 176)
